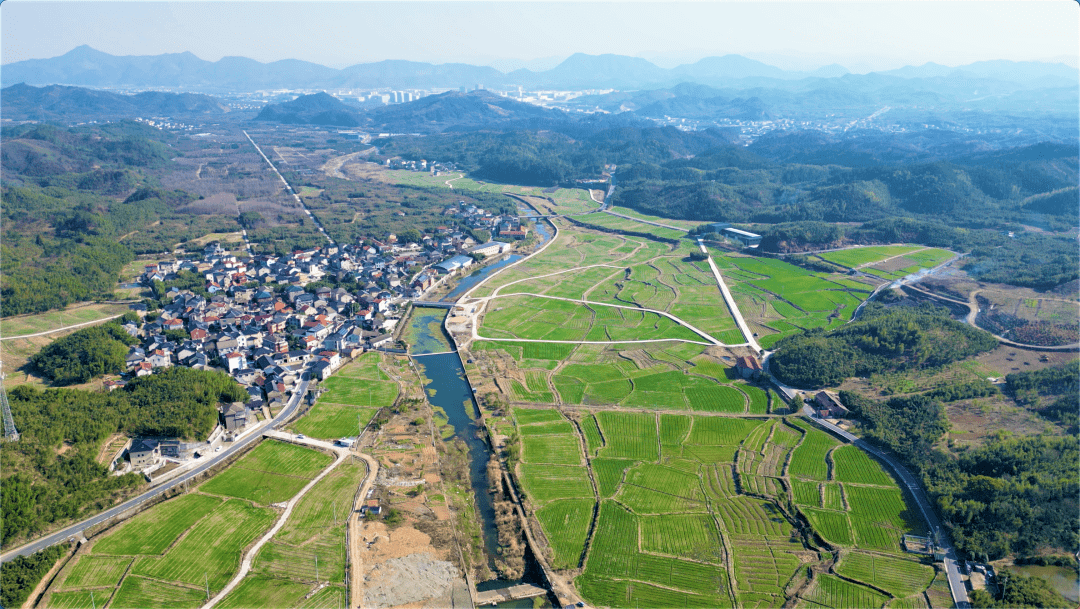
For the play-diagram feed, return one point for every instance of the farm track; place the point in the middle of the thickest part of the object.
(71, 327)
(973, 313)
(245, 564)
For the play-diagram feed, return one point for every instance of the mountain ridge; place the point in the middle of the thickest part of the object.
(88, 67)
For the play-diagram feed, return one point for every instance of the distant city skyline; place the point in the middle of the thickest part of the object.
(860, 35)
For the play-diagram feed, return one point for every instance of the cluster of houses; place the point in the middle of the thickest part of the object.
(257, 321)
(504, 227)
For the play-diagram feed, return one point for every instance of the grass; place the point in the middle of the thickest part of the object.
(808, 460)
(609, 474)
(213, 547)
(692, 536)
(831, 591)
(559, 320)
(593, 440)
(629, 436)
(833, 526)
(566, 523)
(316, 510)
(545, 483)
(361, 384)
(897, 576)
(53, 320)
(154, 530)
(327, 420)
(78, 600)
(556, 450)
(526, 416)
(273, 472)
(865, 255)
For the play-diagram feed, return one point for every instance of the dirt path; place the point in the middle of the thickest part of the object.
(245, 564)
(332, 167)
(356, 566)
(71, 327)
(459, 176)
(645, 221)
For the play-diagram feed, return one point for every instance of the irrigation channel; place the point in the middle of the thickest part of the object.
(448, 388)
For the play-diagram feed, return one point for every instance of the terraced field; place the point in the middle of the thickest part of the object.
(689, 510)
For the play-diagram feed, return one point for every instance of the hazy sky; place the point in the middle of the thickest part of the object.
(861, 35)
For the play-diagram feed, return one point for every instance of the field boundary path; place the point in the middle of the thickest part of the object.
(71, 327)
(290, 189)
(245, 564)
(952, 569)
(730, 300)
(681, 322)
(121, 511)
(459, 176)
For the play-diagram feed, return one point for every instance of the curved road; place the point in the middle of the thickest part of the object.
(76, 529)
(952, 570)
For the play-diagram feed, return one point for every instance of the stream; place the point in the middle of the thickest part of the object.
(447, 387)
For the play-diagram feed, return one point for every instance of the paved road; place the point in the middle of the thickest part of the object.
(952, 569)
(76, 529)
(730, 300)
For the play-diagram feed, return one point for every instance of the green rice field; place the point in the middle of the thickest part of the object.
(670, 509)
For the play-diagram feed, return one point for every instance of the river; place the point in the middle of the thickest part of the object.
(1063, 579)
(446, 387)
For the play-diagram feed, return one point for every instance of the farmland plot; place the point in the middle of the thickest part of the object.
(212, 548)
(831, 591)
(154, 530)
(545, 483)
(900, 577)
(140, 593)
(94, 572)
(854, 465)
(566, 523)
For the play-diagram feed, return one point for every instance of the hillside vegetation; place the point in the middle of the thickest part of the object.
(51, 473)
(882, 339)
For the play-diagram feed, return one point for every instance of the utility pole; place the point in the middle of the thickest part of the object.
(93, 605)
(207, 582)
(335, 512)
(316, 569)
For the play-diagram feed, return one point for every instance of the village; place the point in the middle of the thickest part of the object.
(271, 322)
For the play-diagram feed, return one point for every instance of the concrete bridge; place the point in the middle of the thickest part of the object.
(433, 304)
(509, 593)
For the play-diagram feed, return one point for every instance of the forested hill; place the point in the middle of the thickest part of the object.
(77, 204)
(71, 104)
(453, 111)
(44, 484)
(883, 339)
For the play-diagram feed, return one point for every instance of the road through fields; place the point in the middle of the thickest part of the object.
(76, 530)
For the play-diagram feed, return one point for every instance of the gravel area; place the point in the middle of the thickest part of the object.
(408, 579)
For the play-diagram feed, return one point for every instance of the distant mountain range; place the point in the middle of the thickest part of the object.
(87, 67)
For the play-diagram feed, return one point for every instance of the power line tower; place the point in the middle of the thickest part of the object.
(10, 433)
